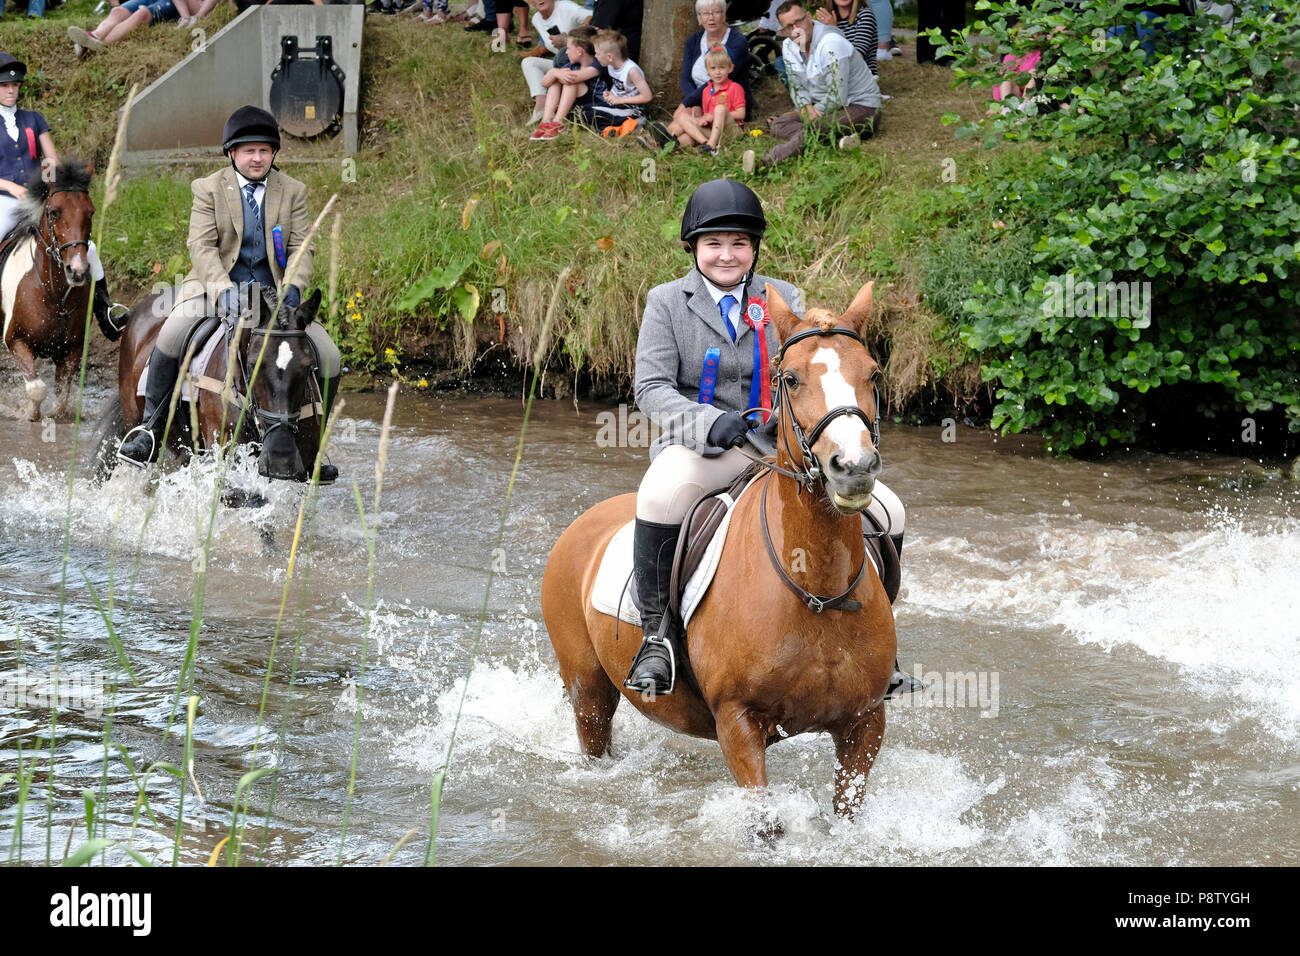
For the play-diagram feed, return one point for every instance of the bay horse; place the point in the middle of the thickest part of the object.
(764, 664)
(45, 281)
(284, 413)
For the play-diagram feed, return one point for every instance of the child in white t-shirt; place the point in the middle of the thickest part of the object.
(616, 110)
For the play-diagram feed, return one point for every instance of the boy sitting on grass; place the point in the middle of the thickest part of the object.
(616, 110)
(571, 85)
(723, 104)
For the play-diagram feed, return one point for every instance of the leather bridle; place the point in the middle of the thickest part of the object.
(809, 471)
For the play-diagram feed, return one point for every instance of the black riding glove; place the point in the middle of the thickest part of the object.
(729, 430)
(292, 297)
(229, 304)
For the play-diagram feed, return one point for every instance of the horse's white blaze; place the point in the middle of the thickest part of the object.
(19, 264)
(847, 430)
(283, 356)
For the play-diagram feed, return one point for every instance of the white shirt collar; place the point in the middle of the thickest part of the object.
(717, 293)
(259, 193)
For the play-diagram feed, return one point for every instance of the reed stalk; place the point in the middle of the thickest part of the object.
(539, 355)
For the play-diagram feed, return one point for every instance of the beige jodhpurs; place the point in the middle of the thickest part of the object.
(678, 476)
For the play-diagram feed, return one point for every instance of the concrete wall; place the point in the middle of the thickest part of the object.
(179, 117)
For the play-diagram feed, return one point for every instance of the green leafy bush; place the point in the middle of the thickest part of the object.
(1165, 208)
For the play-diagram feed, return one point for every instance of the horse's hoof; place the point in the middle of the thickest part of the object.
(768, 832)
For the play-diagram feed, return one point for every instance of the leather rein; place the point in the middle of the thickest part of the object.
(809, 472)
(54, 254)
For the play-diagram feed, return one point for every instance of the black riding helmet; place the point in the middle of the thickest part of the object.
(724, 205)
(12, 70)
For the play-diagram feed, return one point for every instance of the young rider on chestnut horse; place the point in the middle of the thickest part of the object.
(717, 312)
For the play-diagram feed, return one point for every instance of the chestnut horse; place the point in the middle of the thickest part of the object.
(765, 665)
(284, 415)
(45, 282)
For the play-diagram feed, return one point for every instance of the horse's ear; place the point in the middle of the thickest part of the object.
(856, 316)
(785, 320)
(90, 168)
(311, 307)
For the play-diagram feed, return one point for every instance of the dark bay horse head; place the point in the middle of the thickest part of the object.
(284, 391)
(827, 399)
(58, 213)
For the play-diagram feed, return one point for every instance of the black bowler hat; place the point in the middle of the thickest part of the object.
(11, 69)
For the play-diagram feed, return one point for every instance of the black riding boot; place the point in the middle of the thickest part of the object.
(901, 682)
(107, 313)
(144, 443)
(654, 670)
(329, 389)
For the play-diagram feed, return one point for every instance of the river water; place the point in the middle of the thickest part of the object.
(1116, 647)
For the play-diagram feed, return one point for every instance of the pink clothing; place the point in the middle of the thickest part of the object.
(1018, 64)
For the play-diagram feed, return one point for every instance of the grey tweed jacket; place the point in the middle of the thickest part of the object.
(681, 322)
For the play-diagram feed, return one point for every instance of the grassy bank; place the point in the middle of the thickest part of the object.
(448, 190)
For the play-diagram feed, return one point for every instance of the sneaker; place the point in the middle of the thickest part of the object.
(747, 161)
(627, 127)
(482, 26)
(852, 141)
(707, 150)
(536, 117)
(883, 55)
(648, 141)
(85, 39)
(550, 130)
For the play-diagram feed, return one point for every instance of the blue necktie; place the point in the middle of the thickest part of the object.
(250, 196)
(724, 306)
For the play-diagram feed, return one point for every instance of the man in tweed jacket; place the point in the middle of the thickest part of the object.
(231, 243)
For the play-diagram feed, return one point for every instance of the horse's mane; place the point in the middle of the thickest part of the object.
(70, 174)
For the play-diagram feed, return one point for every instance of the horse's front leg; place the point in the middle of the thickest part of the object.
(34, 384)
(64, 373)
(744, 746)
(856, 747)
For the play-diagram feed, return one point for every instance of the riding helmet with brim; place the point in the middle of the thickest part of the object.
(12, 70)
(250, 124)
(723, 205)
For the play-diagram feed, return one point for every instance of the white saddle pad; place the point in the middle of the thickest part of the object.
(200, 362)
(616, 568)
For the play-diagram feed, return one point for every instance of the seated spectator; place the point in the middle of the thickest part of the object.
(553, 21)
(855, 20)
(571, 85)
(712, 16)
(830, 85)
(130, 16)
(723, 105)
(618, 106)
